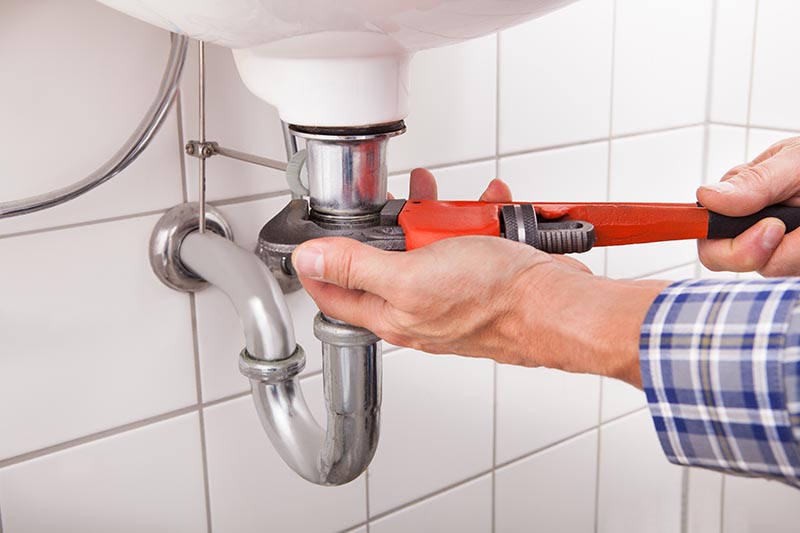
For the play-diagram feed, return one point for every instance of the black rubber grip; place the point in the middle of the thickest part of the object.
(723, 227)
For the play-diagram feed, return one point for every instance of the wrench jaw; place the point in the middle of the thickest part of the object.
(519, 222)
(295, 224)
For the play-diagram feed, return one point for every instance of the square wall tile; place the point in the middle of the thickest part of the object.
(639, 489)
(704, 501)
(662, 167)
(661, 62)
(759, 505)
(252, 488)
(775, 86)
(236, 119)
(460, 182)
(526, 419)
(148, 479)
(552, 491)
(732, 60)
(69, 99)
(447, 400)
(727, 148)
(555, 78)
(452, 107)
(84, 304)
(761, 140)
(220, 333)
(466, 509)
(620, 398)
(575, 174)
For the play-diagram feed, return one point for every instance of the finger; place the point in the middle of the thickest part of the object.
(346, 263)
(785, 261)
(771, 181)
(390, 196)
(422, 185)
(497, 191)
(748, 252)
(355, 307)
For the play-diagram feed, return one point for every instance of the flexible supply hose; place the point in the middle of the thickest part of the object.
(133, 147)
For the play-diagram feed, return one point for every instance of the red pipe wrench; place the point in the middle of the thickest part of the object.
(574, 227)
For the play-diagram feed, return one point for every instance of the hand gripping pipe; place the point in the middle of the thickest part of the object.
(129, 151)
(272, 360)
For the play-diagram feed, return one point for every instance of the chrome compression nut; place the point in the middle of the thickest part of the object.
(341, 334)
(272, 371)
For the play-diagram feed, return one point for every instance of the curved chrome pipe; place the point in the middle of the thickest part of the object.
(351, 368)
(134, 146)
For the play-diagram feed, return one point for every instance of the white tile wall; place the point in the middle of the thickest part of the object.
(535, 106)
(759, 505)
(466, 509)
(733, 58)
(551, 491)
(148, 479)
(251, 488)
(537, 407)
(774, 85)
(62, 84)
(639, 490)
(704, 505)
(555, 78)
(90, 338)
(436, 426)
(661, 58)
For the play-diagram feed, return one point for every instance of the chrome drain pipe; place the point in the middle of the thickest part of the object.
(187, 260)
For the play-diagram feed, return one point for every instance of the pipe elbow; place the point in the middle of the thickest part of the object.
(350, 359)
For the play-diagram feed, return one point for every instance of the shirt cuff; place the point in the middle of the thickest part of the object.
(721, 369)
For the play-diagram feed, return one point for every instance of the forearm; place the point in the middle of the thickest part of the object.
(593, 325)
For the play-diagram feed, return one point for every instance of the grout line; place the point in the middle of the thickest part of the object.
(755, 127)
(709, 91)
(721, 504)
(661, 271)
(366, 494)
(117, 430)
(181, 143)
(497, 107)
(431, 495)
(81, 224)
(545, 448)
(685, 500)
(251, 198)
(212, 403)
(551, 147)
(100, 435)
(752, 80)
(201, 414)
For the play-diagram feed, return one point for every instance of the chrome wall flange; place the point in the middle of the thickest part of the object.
(166, 239)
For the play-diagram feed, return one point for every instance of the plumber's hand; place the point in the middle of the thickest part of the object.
(772, 178)
(481, 296)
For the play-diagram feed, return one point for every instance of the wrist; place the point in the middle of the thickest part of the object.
(592, 324)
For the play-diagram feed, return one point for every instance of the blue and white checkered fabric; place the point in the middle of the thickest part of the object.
(720, 365)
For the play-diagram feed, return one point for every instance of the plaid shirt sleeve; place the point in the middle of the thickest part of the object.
(720, 365)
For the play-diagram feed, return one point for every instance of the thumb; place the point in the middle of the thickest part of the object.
(344, 262)
(755, 186)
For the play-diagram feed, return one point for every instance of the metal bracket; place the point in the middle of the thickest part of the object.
(204, 150)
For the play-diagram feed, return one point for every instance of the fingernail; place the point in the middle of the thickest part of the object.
(723, 187)
(773, 234)
(308, 261)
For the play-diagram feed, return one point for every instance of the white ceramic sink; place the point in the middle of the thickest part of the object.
(333, 62)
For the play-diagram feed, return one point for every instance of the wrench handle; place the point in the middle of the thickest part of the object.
(725, 227)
